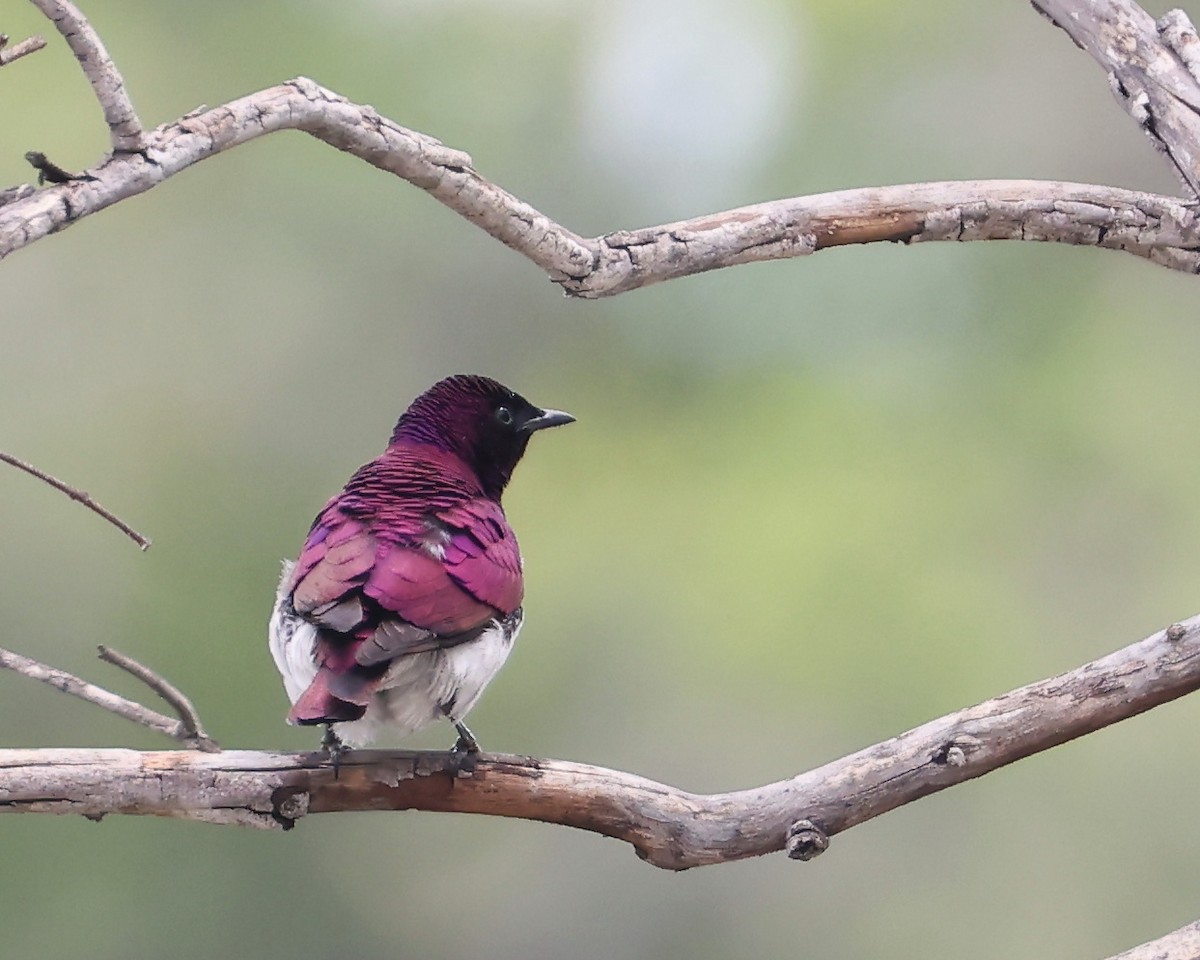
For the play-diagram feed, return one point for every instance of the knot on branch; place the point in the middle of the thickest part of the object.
(805, 840)
(289, 804)
(955, 751)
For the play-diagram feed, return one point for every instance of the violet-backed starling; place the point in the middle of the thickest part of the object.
(406, 597)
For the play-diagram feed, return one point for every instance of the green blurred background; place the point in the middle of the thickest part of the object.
(807, 505)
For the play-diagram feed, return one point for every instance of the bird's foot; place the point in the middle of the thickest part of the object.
(334, 748)
(465, 749)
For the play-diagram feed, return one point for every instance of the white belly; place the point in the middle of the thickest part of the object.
(415, 687)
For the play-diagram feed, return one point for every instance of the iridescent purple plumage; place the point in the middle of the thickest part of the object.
(406, 596)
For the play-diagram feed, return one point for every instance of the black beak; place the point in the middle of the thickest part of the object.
(546, 418)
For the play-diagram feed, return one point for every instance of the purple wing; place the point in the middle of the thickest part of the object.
(376, 598)
(482, 556)
(411, 584)
(336, 558)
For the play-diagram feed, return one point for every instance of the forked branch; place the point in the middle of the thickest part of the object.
(187, 729)
(1161, 229)
(125, 129)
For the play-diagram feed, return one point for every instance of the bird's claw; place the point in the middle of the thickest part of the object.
(465, 749)
(334, 748)
(465, 759)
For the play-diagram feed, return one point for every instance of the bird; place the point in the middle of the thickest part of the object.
(406, 596)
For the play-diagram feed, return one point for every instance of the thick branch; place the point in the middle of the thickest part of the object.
(1161, 229)
(1150, 70)
(668, 827)
(125, 130)
(1181, 944)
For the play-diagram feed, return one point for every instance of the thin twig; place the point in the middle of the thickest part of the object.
(78, 496)
(49, 172)
(129, 709)
(193, 731)
(125, 129)
(23, 49)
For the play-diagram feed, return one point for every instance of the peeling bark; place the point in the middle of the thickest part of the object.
(667, 827)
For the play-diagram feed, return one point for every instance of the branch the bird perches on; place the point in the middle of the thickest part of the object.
(667, 827)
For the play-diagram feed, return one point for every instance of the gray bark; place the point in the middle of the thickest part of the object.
(668, 827)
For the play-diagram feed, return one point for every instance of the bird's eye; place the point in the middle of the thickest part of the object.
(504, 415)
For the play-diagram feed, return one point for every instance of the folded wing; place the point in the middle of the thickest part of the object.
(376, 597)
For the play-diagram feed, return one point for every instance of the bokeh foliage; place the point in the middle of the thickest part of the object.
(806, 505)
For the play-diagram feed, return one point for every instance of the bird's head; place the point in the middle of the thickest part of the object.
(478, 420)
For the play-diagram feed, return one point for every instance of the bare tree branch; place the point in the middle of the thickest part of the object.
(17, 51)
(668, 827)
(19, 192)
(187, 729)
(302, 105)
(125, 129)
(1182, 944)
(1150, 69)
(1161, 229)
(192, 731)
(78, 496)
